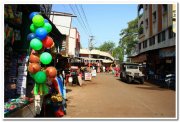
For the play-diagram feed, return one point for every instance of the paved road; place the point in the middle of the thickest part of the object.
(106, 96)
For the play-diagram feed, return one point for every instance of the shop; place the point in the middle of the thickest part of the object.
(167, 60)
(16, 56)
(18, 83)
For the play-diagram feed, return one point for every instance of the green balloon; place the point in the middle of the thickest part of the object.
(48, 27)
(33, 28)
(38, 21)
(45, 58)
(36, 44)
(40, 77)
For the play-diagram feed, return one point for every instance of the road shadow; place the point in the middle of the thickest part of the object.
(68, 90)
(152, 88)
(133, 82)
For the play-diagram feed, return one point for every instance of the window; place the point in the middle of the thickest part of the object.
(165, 8)
(139, 46)
(146, 6)
(145, 44)
(132, 67)
(146, 23)
(152, 41)
(170, 32)
(159, 38)
(154, 17)
(163, 36)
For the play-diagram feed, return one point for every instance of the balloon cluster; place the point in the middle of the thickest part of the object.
(39, 40)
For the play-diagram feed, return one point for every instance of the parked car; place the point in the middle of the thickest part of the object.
(131, 72)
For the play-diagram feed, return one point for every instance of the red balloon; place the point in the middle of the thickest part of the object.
(48, 42)
(51, 72)
(34, 58)
(34, 67)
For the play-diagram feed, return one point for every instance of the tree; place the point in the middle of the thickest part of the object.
(129, 37)
(118, 53)
(107, 46)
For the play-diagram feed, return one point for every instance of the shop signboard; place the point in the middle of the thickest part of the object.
(166, 53)
(93, 72)
(87, 76)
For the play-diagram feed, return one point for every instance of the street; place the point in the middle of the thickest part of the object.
(48, 48)
(106, 96)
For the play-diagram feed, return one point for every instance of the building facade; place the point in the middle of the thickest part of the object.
(157, 42)
(71, 42)
(96, 56)
(74, 43)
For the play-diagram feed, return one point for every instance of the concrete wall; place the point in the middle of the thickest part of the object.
(63, 23)
(72, 41)
(165, 20)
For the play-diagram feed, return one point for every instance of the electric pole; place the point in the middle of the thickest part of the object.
(90, 46)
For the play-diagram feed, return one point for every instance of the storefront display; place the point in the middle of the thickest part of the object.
(14, 104)
(22, 75)
(22, 54)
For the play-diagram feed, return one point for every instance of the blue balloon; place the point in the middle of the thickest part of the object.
(33, 14)
(41, 33)
(46, 21)
(31, 36)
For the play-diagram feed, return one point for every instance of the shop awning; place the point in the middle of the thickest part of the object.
(107, 61)
(55, 32)
(138, 58)
(86, 58)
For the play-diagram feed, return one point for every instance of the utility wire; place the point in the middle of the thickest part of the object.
(85, 18)
(79, 20)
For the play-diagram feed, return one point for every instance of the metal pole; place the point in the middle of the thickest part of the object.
(89, 52)
(90, 48)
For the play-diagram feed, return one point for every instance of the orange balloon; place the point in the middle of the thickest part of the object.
(51, 72)
(34, 67)
(34, 58)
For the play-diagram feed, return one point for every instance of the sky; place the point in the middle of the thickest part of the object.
(104, 21)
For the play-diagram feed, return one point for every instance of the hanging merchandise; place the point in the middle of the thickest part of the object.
(36, 44)
(34, 67)
(40, 42)
(32, 28)
(34, 58)
(51, 72)
(38, 20)
(45, 58)
(22, 74)
(31, 36)
(40, 83)
(48, 27)
(41, 33)
(46, 21)
(33, 14)
(48, 42)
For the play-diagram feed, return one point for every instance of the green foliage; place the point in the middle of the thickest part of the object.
(107, 46)
(118, 53)
(129, 37)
